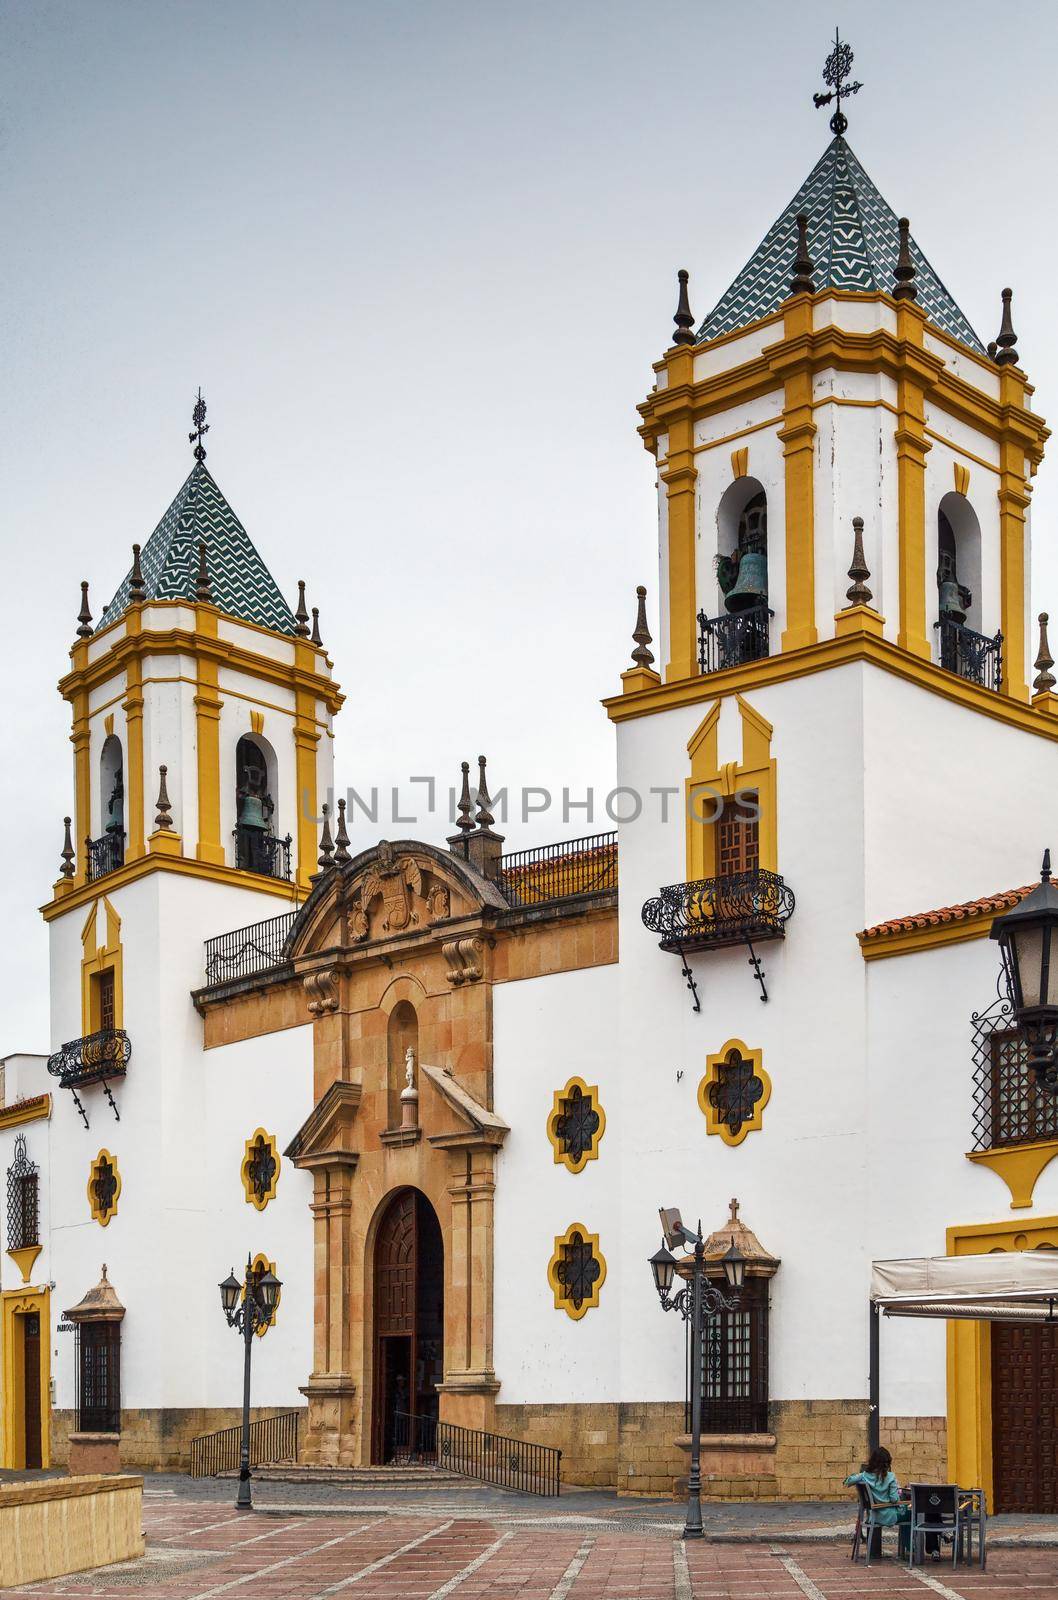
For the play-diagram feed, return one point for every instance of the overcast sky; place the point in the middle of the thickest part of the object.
(420, 257)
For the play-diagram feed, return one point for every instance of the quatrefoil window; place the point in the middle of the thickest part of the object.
(734, 1092)
(260, 1169)
(576, 1124)
(576, 1271)
(104, 1187)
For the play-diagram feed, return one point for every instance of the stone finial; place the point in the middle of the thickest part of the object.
(992, 348)
(325, 859)
(801, 282)
(301, 614)
(484, 818)
(683, 319)
(733, 1207)
(1043, 682)
(905, 265)
(203, 586)
(1006, 343)
(341, 838)
(642, 655)
(858, 593)
(84, 616)
(164, 819)
(315, 635)
(137, 586)
(67, 852)
(465, 820)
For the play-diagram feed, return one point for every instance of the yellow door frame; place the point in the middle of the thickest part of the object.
(970, 1352)
(16, 1303)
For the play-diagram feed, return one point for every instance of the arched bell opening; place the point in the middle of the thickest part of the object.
(107, 852)
(257, 847)
(408, 1269)
(958, 562)
(742, 546)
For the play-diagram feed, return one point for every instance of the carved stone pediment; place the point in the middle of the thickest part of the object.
(325, 1138)
(473, 1124)
(400, 891)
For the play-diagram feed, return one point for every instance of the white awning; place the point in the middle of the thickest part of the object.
(1005, 1286)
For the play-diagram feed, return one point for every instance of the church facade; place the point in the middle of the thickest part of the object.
(441, 1088)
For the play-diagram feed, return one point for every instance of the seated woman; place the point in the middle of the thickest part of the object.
(878, 1478)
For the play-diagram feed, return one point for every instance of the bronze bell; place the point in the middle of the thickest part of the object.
(750, 588)
(953, 600)
(251, 811)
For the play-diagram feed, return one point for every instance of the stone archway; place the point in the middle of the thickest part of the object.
(408, 1345)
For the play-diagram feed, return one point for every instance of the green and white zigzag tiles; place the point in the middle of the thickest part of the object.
(853, 241)
(242, 584)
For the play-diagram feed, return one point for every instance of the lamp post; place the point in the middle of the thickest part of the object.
(694, 1304)
(1028, 944)
(248, 1306)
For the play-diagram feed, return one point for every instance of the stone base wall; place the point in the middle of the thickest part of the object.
(642, 1448)
(62, 1525)
(158, 1440)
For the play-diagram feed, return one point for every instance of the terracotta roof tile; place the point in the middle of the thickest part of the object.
(989, 905)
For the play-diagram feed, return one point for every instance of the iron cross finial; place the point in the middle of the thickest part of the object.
(836, 69)
(198, 417)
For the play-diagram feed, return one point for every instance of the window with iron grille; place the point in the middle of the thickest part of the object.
(734, 1366)
(737, 839)
(1009, 1107)
(105, 998)
(23, 1222)
(99, 1377)
(735, 1092)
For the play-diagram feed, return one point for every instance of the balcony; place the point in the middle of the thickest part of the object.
(733, 639)
(559, 871)
(105, 855)
(716, 912)
(257, 850)
(246, 951)
(1009, 1107)
(970, 655)
(96, 1058)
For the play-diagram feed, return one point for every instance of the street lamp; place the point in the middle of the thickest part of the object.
(1028, 944)
(248, 1306)
(694, 1304)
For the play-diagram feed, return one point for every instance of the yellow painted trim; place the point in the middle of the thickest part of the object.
(562, 1157)
(98, 1215)
(970, 1352)
(81, 739)
(712, 1075)
(261, 1263)
(256, 721)
(756, 771)
(229, 694)
(798, 434)
(740, 462)
(960, 450)
(1013, 501)
(740, 433)
(976, 925)
(16, 1303)
(207, 728)
(1019, 1166)
(132, 705)
(37, 1109)
(252, 1198)
(557, 1288)
(108, 725)
(24, 1259)
(962, 478)
(862, 645)
(306, 741)
(231, 877)
(680, 475)
(98, 959)
(911, 449)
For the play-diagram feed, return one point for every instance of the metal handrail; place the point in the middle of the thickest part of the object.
(105, 854)
(103, 1054)
(734, 638)
(971, 655)
(718, 911)
(271, 1439)
(256, 850)
(559, 871)
(245, 951)
(488, 1457)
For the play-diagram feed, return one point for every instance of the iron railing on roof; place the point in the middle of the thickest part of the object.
(246, 951)
(1009, 1106)
(558, 871)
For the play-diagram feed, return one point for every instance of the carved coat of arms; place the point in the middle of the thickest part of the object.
(396, 882)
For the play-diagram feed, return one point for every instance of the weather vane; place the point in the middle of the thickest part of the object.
(198, 417)
(836, 69)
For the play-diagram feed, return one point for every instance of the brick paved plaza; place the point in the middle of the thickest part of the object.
(472, 1545)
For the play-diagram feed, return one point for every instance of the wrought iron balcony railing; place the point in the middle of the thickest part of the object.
(556, 871)
(96, 1058)
(715, 912)
(105, 854)
(259, 851)
(1009, 1106)
(733, 639)
(970, 655)
(245, 951)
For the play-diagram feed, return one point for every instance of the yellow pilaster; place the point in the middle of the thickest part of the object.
(306, 741)
(911, 449)
(207, 728)
(80, 739)
(132, 705)
(679, 475)
(1013, 500)
(797, 434)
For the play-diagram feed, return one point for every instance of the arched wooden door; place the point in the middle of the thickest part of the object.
(409, 1316)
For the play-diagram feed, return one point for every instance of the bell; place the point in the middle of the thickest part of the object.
(251, 812)
(750, 588)
(951, 600)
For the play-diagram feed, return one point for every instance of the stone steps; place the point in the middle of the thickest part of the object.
(358, 1477)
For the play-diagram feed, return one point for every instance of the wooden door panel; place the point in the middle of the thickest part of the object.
(1025, 1417)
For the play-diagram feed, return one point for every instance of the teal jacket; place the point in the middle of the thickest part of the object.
(884, 1492)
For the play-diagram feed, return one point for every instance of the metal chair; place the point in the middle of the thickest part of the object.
(935, 1510)
(868, 1524)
